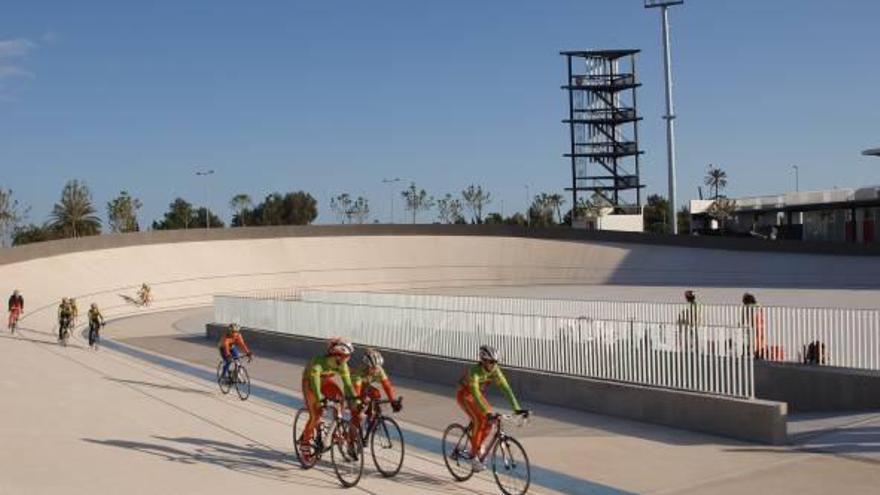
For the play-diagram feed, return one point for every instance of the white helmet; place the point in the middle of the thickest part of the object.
(339, 347)
(373, 358)
(489, 353)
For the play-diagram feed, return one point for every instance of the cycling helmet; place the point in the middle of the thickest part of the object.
(373, 358)
(233, 328)
(489, 353)
(339, 347)
(15, 292)
(94, 305)
(690, 295)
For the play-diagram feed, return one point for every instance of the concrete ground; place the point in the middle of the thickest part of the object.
(143, 415)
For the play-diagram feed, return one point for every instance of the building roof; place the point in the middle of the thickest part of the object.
(868, 196)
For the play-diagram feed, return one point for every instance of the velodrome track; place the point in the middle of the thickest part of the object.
(143, 414)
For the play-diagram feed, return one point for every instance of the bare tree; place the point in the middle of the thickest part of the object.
(417, 200)
(341, 205)
(359, 211)
(476, 199)
(449, 209)
(11, 216)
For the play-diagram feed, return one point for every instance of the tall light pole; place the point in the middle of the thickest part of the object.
(528, 205)
(670, 108)
(206, 173)
(391, 195)
(797, 180)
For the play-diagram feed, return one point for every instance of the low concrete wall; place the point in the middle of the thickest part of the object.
(816, 388)
(751, 420)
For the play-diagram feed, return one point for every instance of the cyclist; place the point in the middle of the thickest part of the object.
(365, 376)
(74, 310)
(229, 345)
(471, 399)
(144, 294)
(318, 387)
(16, 307)
(96, 321)
(65, 313)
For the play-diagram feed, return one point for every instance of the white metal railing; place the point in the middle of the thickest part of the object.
(713, 359)
(841, 337)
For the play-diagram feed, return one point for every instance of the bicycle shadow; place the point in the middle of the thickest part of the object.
(426, 483)
(53, 343)
(160, 386)
(249, 459)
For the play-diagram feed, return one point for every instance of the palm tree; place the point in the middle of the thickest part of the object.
(717, 179)
(556, 200)
(74, 215)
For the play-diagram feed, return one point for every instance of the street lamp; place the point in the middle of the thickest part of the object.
(797, 184)
(206, 173)
(670, 112)
(391, 195)
(528, 206)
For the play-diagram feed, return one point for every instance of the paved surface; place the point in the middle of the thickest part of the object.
(143, 416)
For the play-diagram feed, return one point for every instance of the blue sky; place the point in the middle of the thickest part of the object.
(333, 96)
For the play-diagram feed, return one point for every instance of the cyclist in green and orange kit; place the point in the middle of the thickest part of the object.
(366, 376)
(318, 386)
(471, 399)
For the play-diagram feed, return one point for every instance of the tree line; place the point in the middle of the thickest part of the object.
(75, 214)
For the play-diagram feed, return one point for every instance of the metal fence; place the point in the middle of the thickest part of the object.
(830, 336)
(706, 358)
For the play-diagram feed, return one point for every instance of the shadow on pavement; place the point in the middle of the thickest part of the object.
(160, 386)
(250, 459)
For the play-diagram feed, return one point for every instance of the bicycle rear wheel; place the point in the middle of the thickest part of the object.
(387, 446)
(242, 383)
(223, 382)
(347, 453)
(510, 466)
(456, 456)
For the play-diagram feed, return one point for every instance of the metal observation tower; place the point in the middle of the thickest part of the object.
(603, 127)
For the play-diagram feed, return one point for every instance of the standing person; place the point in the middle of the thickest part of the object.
(753, 319)
(96, 321)
(65, 314)
(16, 308)
(689, 320)
(473, 402)
(229, 346)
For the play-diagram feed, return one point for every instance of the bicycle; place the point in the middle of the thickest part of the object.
(236, 375)
(95, 334)
(14, 315)
(389, 435)
(64, 331)
(509, 458)
(336, 434)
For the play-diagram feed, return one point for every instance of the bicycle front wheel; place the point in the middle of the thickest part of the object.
(224, 383)
(510, 466)
(347, 453)
(307, 456)
(387, 446)
(456, 456)
(242, 383)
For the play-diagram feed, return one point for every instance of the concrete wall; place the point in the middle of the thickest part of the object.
(186, 267)
(751, 420)
(813, 388)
